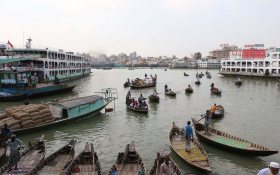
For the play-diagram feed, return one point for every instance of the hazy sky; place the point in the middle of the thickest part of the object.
(149, 27)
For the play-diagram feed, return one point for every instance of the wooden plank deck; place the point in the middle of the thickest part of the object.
(56, 166)
(195, 154)
(27, 162)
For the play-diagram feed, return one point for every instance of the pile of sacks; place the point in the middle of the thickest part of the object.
(26, 116)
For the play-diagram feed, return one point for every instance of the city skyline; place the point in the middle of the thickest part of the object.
(157, 28)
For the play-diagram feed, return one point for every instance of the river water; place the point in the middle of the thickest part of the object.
(252, 113)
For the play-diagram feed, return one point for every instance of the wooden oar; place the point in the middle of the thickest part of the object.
(199, 119)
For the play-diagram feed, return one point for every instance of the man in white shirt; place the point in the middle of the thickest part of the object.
(273, 169)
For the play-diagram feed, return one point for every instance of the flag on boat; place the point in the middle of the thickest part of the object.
(10, 44)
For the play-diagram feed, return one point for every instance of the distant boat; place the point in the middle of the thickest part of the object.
(238, 83)
(185, 74)
(165, 69)
(154, 98)
(106, 68)
(130, 68)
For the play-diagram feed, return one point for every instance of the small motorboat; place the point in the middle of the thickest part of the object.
(208, 76)
(219, 112)
(137, 109)
(185, 74)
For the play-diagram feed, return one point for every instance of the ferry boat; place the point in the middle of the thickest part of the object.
(253, 60)
(46, 63)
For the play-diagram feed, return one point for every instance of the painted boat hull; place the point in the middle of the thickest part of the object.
(21, 94)
(58, 123)
(232, 149)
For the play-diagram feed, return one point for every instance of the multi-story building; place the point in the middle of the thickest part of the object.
(223, 52)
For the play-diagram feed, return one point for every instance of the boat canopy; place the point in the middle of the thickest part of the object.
(79, 101)
(11, 60)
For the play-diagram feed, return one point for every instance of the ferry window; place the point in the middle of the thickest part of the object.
(46, 64)
(274, 56)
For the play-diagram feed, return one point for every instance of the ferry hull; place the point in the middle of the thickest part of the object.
(234, 74)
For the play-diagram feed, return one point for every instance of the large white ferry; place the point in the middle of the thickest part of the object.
(253, 60)
(45, 63)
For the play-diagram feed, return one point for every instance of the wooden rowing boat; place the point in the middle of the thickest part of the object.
(139, 110)
(216, 91)
(185, 74)
(170, 93)
(154, 98)
(128, 162)
(197, 82)
(196, 158)
(56, 163)
(219, 112)
(126, 84)
(230, 143)
(189, 90)
(159, 160)
(30, 158)
(85, 163)
(238, 83)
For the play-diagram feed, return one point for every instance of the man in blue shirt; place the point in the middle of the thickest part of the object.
(189, 136)
(6, 131)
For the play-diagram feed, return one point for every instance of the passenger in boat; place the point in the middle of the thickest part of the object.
(144, 105)
(146, 75)
(166, 166)
(114, 170)
(212, 86)
(128, 98)
(213, 109)
(6, 132)
(166, 88)
(238, 79)
(189, 136)
(207, 121)
(14, 144)
(140, 99)
(273, 169)
(155, 93)
(189, 86)
(76, 169)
